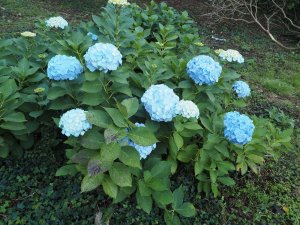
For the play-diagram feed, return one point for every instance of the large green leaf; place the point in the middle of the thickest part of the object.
(90, 183)
(117, 117)
(17, 117)
(120, 174)
(186, 209)
(142, 136)
(109, 187)
(145, 202)
(110, 152)
(66, 170)
(98, 118)
(130, 157)
(132, 106)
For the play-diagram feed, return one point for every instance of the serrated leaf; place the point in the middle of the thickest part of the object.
(98, 118)
(142, 136)
(145, 202)
(109, 187)
(120, 174)
(132, 106)
(186, 209)
(117, 117)
(130, 157)
(66, 170)
(90, 183)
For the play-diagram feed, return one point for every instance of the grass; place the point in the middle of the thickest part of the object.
(31, 194)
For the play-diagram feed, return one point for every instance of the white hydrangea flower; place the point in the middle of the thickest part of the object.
(231, 55)
(187, 109)
(119, 2)
(56, 22)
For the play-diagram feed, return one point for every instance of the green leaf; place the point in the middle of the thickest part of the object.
(92, 139)
(17, 117)
(66, 170)
(91, 182)
(91, 99)
(161, 169)
(4, 150)
(171, 219)
(120, 174)
(132, 106)
(91, 87)
(159, 184)
(227, 181)
(110, 152)
(98, 118)
(143, 189)
(130, 157)
(206, 123)
(178, 195)
(13, 126)
(109, 187)
(8, 87)
(145, 202)
(178, 140)
(55, 92)
(117, 117)
(142, 136)
(186, 209)
(163, 197)
(187, 154)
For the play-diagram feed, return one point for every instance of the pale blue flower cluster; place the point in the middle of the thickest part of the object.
(62, 67)
(241, 88)
(144, 151)
(103, 57)
(238, 128)
(231, 55)
(56, 22)
(93, 36)
(187, 109)
(74, 122)
(204, 70)
(160, 102)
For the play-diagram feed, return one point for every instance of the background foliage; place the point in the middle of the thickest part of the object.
(129, 203)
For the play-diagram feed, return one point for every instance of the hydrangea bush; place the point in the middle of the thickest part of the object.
(134, 105)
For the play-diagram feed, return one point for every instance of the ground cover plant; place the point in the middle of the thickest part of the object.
(120, 105)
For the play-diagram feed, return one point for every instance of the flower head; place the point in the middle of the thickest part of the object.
(28, 34)
(238, 128)
(231, 55)
(62, 67)
(93, 36)
(187, 109)
(56, 22)
(74, 122)
(119, 2)
(204, 70)
(103, 57)
(160, 102)
(241, 88)
(143, 150)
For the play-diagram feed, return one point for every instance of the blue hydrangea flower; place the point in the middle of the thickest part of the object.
(56, 22)
(62, 67)
(143, 150)
(238, 128)
(187, 109)
(160, 102)
(241, 88)
(204, 70)
(231, 55)
(93, 36)
(74, 122)
(103, 57)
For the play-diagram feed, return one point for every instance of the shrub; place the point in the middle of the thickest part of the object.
(130, 131)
